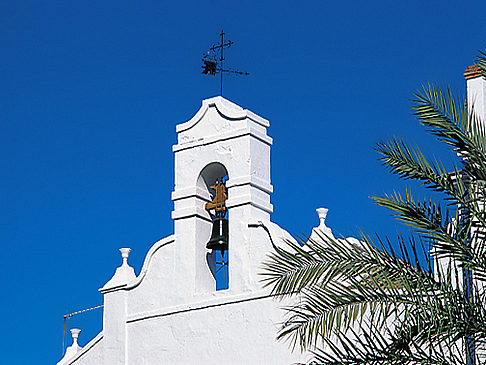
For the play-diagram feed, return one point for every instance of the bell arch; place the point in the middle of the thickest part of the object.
(217, 261)
(208, 176)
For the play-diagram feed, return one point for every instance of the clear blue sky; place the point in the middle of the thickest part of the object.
(91, 92)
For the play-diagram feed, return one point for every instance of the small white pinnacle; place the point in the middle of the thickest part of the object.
(322, 212)
(125, 252)
(75, 333)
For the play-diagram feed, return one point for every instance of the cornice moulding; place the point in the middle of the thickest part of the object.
(222, 137)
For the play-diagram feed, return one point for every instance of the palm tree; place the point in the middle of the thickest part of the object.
(364, 302)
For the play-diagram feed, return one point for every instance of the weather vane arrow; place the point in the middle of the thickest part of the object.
(212, 65)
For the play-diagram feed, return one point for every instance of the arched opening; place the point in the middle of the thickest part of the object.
(215, 174)
(210, 174)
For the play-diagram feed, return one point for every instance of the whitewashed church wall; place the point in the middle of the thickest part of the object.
(158, 287)
(238, 333)
(260, 167)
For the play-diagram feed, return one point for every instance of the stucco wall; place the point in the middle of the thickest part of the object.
(241, 332)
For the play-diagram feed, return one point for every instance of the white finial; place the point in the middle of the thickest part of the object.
(322, 231)
(125, 252)
(75, 333)
(123, 274)
(322, 212)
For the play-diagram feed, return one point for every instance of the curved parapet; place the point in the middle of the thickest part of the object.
(226, 109)
(124, 277)
(219, 119)
(155, 247)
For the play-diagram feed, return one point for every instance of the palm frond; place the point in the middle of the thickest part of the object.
(448, 119)
(481, 62)
(358, 301)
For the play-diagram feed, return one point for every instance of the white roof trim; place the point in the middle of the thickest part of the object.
(226, 108)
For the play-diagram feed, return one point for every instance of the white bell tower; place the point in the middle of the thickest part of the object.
(222, 139)
(171, 312)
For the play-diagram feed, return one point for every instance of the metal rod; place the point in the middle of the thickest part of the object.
(225, 277)
(221, 60)
(213, 67)
(83, 310)
(66, 316)
(63, 333)
(260, 224)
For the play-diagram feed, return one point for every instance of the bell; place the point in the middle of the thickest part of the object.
(219, 236)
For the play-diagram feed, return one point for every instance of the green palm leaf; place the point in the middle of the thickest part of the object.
(360, 302)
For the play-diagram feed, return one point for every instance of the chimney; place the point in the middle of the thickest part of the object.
(476, 92)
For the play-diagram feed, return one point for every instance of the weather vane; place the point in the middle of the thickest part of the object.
(211, 65)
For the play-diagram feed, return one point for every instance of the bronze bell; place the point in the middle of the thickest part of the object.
(219, 235)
